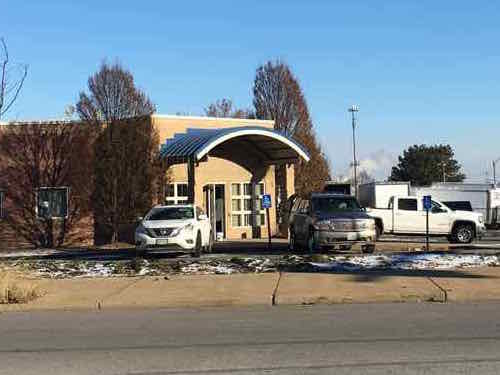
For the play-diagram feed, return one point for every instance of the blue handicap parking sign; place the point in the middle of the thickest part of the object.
(427, 202)
(266, 201)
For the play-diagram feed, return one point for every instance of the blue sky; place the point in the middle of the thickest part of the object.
(421, 71)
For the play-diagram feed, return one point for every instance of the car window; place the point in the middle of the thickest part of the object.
(335, 204)
(407, 204)
(436, 207)
(305, 206)
(171, 213)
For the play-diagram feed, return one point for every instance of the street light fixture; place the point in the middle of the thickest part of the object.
(353, 109)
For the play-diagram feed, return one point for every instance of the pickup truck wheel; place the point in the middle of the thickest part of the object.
(197, 249)
(368, 249)
(463, 233)
(378, 230)
(292, 243)
(311, 242)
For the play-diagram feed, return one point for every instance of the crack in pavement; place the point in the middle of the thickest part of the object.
(442, 290)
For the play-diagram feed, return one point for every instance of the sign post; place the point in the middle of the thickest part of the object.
(427, 207)
(266, 203)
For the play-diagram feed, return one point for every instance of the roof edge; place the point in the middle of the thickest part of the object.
(208, 118)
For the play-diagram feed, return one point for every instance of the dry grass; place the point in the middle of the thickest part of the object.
(17, 291)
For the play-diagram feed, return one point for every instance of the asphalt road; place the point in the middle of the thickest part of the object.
(340, 339)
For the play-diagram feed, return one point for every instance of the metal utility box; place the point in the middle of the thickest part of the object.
(338, 188)
(377, 194)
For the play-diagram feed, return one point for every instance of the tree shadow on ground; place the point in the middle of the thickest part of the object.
(377, 274)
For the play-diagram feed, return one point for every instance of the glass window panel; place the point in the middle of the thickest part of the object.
(248, 220)
(58, 202)
(236, 205)
(52, 202)
(169, 190)
(1, 204)
(247, 189)
(258, 204)
(407, 204)
(182, 201)
(235, 189)
(236, 220)
(182, 190)
(259, 189)
(248, 204)
(261, 219)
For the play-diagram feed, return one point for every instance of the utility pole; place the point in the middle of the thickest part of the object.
(353, 110)
(494, 162)
(443, 166)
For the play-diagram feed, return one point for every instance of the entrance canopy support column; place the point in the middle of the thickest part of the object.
(258, 175)
(191, 169)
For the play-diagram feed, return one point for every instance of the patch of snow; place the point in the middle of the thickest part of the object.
(408, 262)
(28, 253)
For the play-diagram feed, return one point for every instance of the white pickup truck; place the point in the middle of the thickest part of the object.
(406, 216)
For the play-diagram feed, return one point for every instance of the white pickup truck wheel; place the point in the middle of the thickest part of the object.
(463, 233)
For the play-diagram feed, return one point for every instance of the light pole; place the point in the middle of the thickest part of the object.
(443, 166)
(353, 110)
(494, 162)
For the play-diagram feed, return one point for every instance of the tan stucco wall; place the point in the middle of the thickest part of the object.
(221, 171)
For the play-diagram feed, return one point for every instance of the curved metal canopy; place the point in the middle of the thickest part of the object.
(268, 145)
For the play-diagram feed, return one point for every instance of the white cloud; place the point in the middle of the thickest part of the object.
(377, 164)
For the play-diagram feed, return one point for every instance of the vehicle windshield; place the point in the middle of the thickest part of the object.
(171, 213)
(335, 204)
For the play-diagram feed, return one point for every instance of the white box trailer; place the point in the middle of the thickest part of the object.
(377, 194)
(483, 198)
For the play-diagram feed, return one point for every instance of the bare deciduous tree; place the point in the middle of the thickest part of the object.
(279, 97)
(112, 96)
(38, 155)
(12, 78)
(225, 108)
(126, 147)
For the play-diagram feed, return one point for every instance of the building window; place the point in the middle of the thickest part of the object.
(52, 203)
(176, 193)
(241, 204)
(2, 197)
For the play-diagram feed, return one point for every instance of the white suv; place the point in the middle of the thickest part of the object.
(179, 227)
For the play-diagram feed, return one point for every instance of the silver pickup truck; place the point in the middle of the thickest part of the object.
(330, 220)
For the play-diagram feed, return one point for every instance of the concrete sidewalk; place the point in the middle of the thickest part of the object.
(260, 289)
